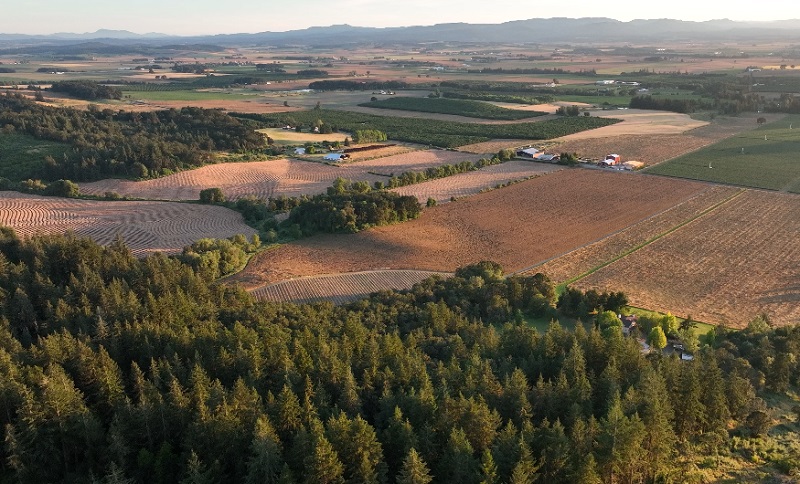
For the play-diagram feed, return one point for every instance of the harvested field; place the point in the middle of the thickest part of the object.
(146, 227)
(580, 261)
(653, 149)
(492, 147)
(272, 178)
(470, 183)
(739, 260)
(516, 226)
(341, 288)
(639, 122)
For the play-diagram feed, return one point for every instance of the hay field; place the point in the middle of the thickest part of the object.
(470, 183)
(516, 226)
(639, 122)
(146, 227)
(341, 288)
(726, 267)
(273, 178)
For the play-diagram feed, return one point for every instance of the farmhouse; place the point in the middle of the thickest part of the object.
(628, 323)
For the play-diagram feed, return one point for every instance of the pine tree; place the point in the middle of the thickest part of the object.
(414, 470)
(488, 468)
(323, 465)
(525, 472)
(265, 462)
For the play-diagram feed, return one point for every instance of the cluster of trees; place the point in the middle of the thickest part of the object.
(214, 258)
(576, 303)
(493, 97)
(443, 171)
(350, 85)
(312, 73)
(127, 370)
(664, 104)
(460, 107)
(568, 110)
(7, 70)
(108, 143)
(350, 212)
(368, 136)
(58, 188)
(89, 90)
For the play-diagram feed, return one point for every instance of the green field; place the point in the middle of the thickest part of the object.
(747, 159)
(22, 156)
(445, 134)
(460, 107)
(181, 95)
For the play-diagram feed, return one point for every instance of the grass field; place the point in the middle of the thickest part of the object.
(181, 95)
(22, 156)
(460, 107)
(766, 157)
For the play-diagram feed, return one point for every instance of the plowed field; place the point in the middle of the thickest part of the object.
(737, 261)
(273, 178)
(144, 226)
(341, 288)
(473, 182)
(516, 226)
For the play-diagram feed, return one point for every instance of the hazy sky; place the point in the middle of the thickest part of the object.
(189, 17)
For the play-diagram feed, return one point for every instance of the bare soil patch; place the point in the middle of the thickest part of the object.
(516, 226)
(639, 122)
(737, 261)
(146, 227)
(341, 288)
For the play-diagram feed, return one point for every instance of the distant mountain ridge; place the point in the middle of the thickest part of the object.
(550, 30)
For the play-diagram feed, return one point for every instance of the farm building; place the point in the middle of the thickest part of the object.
(299, 151)
(336, 156)
(548, 158)
(528, 153)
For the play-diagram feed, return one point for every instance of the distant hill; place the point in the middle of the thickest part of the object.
(551, 30)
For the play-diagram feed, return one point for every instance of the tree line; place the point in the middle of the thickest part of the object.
(106, 143)
(118, 369)
(89, 90)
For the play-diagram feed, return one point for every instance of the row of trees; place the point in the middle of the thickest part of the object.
(107, 143)
(89, 90)
(144, 370)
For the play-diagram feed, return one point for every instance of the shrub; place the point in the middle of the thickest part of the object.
(63, 188)
(212, 195)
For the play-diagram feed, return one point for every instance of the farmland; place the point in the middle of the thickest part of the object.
(460, 107)
(517, 226)
(761, 158)
(444, 134)
(145, 227)
(470, 183)
(728, 266)
(341, 288)
(272, 178)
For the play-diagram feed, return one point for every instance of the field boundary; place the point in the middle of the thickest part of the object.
(651, 240)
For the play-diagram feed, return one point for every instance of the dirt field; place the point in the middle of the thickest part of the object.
(145, 226)
(272, 178)
(492, 147)
(341, 288)
(638, 122)
(584, 259)
(726, 267)
(655, 148)
(516, 226)
(470, 183)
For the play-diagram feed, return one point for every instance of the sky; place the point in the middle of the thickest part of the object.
(201, 17)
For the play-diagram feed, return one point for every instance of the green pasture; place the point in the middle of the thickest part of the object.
(767, 157)
(182, 95)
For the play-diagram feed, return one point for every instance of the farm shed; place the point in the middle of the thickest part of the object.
(299, 151)
(611, 160)
(549, 158)
(335, 157)
(528, 153)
